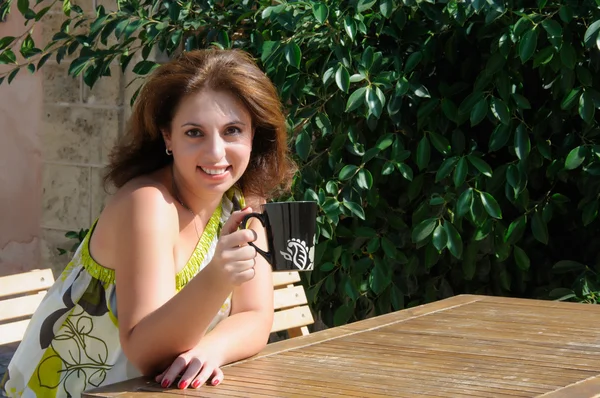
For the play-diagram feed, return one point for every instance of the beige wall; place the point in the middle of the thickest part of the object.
(20, 165)
(64, 133)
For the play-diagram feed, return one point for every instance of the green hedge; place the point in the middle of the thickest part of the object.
(452, 146)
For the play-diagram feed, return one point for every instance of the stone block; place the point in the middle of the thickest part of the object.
(66, 196)
(58, 85)
(108, 90)
(100, 196)
(79, 134)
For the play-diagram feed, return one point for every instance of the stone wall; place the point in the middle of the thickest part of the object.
(78, 129)
(55, 138)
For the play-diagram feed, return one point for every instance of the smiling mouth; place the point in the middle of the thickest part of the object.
(214, 172)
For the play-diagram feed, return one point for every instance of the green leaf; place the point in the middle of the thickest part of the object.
(450, 110)
(348, 172)
(521, 258)
(568, 55)
(423, 153)
(320, 12)
(586, 107)
(479, 112)
(539, 228)
(350, 27)
(440, 238)
(405, 170)
(589, 212)
(591, 34)
(303, 145)
(6, 41)
(356, 99)
(23, 6)
(293, 55)
(463, 204)
(553, 28)
(440, 143)
(500, 110)
(386, 7)
(423, 230)
(342, 78)
(412, 61)
(491, 206)
(66, 7)
(522, 143)
(480, 165)
(499, 138)
(528, 44)
(422, 92)
(515, 230)
(566, 266)
(364, 179)
(575, 158)
(342, 314)
(460, 172)
(570, 99)
(388, 247)
(455, 243)
(144, 67)
(522, 102)
(446, 168)
(373, 102)
(355, 208)
(364, 5)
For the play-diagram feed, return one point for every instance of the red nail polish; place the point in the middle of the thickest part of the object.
(215, 382)
(195, 384)
(245, 208)
(165, 383)
(182, 384)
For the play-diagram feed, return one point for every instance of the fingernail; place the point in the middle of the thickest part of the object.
(245, 208)
(196, 383)
(182, 384)
(165, 383)
(215, 382)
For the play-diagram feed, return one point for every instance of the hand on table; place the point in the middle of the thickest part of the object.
(196, 369)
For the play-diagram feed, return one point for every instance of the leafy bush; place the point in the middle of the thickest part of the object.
(452, 146)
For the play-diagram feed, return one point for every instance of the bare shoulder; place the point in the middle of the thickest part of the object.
(143, 206)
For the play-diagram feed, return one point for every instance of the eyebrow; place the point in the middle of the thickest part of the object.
(233, 122)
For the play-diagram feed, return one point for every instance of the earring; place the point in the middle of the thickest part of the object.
(168, 151)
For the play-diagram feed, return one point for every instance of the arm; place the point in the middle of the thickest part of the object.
(150, 313)
(244, 333)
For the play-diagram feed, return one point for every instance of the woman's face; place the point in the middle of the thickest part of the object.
(211, 139)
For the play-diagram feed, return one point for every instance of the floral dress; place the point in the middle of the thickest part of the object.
(72, 342)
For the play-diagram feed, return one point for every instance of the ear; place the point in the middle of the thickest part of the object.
(167, 138)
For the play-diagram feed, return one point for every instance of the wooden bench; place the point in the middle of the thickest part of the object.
(291, 310)
(20, 295)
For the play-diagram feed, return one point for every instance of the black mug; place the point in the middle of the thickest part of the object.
(291, 233)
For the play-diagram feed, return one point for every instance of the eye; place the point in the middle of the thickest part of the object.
(193, 133)
(232, 130)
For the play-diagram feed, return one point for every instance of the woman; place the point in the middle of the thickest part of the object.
(164, 283)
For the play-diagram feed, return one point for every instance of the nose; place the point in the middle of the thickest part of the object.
(215, 149)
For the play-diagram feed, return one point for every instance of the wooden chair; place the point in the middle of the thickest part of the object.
(291, 310)
(20, 295)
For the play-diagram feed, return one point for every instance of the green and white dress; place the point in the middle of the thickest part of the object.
(72, 342)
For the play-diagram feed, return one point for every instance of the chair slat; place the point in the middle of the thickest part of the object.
(26, 282)
(292, 318)
(285, 278)
(20, 306)
(13, 332)
(289, 297)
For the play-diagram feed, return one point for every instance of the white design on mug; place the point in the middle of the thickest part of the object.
(299, 254)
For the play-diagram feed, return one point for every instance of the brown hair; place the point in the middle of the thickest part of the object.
(143, 150)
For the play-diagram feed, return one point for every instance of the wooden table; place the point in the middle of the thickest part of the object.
(464, 346)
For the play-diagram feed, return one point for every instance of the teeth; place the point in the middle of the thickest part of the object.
(213, 171)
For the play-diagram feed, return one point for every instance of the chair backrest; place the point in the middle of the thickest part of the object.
(291, 310)
(20, 295)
